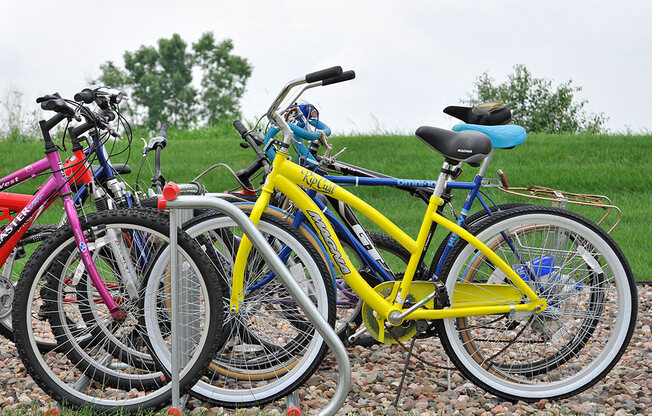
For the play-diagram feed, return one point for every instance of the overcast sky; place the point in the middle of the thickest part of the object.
(412, 58)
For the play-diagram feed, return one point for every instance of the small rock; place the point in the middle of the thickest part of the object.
(408, 403)
(497, 409)
(24, 399)
(421, 405)
(542, 403)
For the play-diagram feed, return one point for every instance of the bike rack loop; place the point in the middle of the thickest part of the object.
(281, 271)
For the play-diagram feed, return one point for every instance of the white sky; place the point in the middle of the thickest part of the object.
(412, 58)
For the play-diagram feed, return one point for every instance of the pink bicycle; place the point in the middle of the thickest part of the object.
(97, 287)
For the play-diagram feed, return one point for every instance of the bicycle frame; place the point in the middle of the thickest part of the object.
(371, 178)
(353, 231)
(287, 177)
(56, 184)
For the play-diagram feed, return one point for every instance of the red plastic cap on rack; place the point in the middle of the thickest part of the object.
(170, 191)
(173, 411)
(53, 411)
(162, 203)
(294, 411)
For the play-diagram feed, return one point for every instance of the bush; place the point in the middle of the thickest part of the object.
(537, 105)
(16, 123)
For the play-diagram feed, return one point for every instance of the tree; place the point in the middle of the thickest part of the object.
(537, 105)
(159, 81)
(224, 77)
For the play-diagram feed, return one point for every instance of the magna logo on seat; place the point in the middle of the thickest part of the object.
(332, 247)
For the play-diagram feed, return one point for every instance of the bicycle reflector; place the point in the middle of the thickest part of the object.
(502, 178)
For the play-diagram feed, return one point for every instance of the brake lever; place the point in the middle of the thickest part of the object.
(113, 132)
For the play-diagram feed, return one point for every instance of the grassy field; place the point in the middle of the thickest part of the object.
(617, 166)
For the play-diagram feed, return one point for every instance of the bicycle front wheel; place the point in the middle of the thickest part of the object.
(12, 269)
(576, 340)
(271, 347)
(99, 362)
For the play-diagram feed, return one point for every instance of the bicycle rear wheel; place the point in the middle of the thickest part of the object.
(566, 348)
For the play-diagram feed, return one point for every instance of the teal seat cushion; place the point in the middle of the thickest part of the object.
(502, 137)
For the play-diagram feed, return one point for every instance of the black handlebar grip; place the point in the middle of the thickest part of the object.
(56, 104)
(164, 130)
(346, 76)
(86, 96)
(48, 105)
(48, 97)
(108, 116)
(324, 74)
(240, 127)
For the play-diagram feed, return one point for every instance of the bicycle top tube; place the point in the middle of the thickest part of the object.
(30, 209)
(395, 182)
(28, 172)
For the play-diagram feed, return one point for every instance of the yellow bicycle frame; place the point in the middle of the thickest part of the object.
(287, 177)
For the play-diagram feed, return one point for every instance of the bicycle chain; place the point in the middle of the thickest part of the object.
(424, 362)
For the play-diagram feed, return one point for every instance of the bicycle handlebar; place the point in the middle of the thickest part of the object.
(54, 102)
(159, 142)
(345, 76)
(319, 78)
(240, 128)
(86, 96)
(164, 130)
(323, 74)
(254, 143)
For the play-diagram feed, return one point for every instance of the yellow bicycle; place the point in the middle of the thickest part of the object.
(537, 303)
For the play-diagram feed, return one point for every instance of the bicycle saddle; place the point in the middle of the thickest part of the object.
(502, 137)
(487, 114)
(465, 146)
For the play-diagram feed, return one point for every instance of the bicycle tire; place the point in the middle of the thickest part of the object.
(578, 348)
(256, 377)
(61, 383)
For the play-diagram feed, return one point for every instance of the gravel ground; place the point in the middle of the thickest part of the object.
(375, 377)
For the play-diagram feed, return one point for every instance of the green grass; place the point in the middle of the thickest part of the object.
(617, 166)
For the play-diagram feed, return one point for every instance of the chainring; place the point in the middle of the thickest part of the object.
(392, 334)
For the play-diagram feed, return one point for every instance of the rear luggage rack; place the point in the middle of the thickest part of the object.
(563, 198)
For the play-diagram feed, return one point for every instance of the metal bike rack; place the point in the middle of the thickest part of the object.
(177, 205)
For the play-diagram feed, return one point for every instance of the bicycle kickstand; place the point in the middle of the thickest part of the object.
(421, 327)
